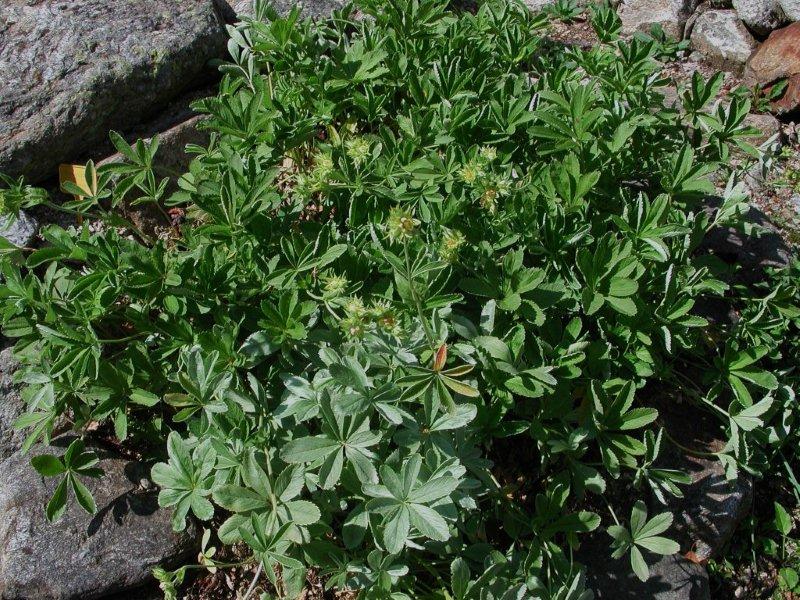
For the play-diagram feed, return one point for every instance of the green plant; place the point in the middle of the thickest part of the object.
(761, 97)
(666, 48)
(564, 10)
(643, 533)
(413, 240)
(75, 463)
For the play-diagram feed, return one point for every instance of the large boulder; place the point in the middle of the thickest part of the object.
(791, 8)
(641, 15)
(81, 555)
(789, 102)
(723, 39)
(671, 577)
(762, 16)
(311, 8)
(712, 505)
(73, 69)
(778, 57)
(11, 406)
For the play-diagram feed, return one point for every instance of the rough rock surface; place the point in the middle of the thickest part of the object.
(20, 230)
(11, 407)
(671, 577)
(82, 556)
(723, 39)
(73, 69)
(768, 125)
(538, 5)
(171, 157)
(311, 8)
(712, 507)
(752, 253)
(640, 15)
(790, 101)
(777, 57)
(762, 16)
(791, 8)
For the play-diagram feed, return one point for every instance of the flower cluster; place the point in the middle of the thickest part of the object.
(487, 185)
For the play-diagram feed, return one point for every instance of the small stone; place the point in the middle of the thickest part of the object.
(83, 555)
(762, 16)
(723, 39)
(19, 230)
(767, 125)
(641, 15)
(538, 5)
(752, 253)
(794, 202)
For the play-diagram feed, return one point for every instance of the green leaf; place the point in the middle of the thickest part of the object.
(639, 565)
(58, 502)
(83, 495)
(258, 346)
(395, 530)
(309, 449)
(459, 578)
(47, 465)
(783, 522)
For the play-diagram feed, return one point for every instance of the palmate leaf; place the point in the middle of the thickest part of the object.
(643, 533)
(76, 462)
(347, 437)
(186, 480)
(404, 503)
(275, 500)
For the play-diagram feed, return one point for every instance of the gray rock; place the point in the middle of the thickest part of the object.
(19, 230)
(767, 125)
(712, 507)
(538, 5)
(641, 15)
(73, 69)
(11, 406)
(791, 8)
(171, 158)
(765, 247)
(83, 556)
(762, 16)
(794, 202)
(723, 39)
(671, 577)
(311, 8)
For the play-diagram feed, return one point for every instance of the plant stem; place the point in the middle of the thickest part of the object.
(687, 449)
(253, 583)
(417, 301)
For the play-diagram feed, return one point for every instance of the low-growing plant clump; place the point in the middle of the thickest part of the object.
(431, 284)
